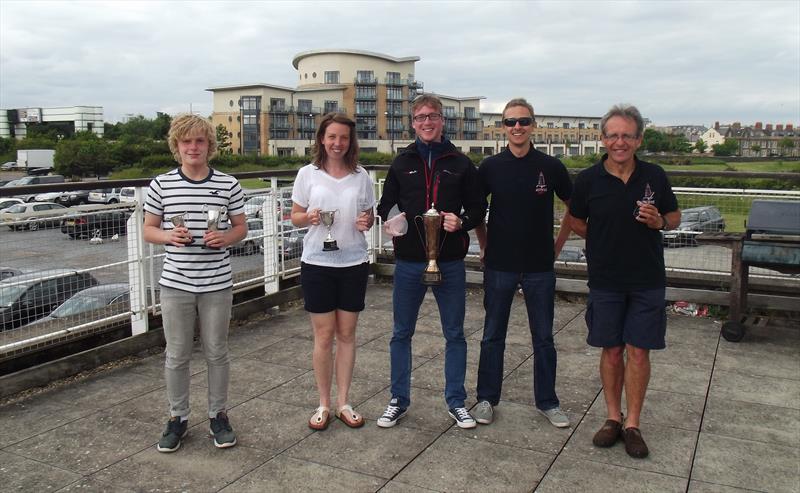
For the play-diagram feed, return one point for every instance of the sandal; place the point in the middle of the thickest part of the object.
(350, 417)
(320, 419)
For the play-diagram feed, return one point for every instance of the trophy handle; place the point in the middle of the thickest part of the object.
(421, 238)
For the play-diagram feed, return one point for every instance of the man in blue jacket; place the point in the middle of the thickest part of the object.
(431, 172)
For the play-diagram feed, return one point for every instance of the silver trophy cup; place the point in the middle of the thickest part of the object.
(179, 220)
(214, 217)
(326, 218)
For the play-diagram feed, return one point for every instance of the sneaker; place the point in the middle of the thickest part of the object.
(224, 436)
(634, 443)
(391, 415)
(172, 436)
(483, 413)
(557, 417)
(462, 417)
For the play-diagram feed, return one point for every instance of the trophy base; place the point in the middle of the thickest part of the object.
(432, 278)
(329, 246)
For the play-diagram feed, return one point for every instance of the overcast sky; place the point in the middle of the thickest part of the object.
(690, 62)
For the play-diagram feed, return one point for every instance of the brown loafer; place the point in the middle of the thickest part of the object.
(608, 435)
(634, 443)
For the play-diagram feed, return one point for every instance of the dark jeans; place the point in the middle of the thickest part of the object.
(407, 298)
(539, 289)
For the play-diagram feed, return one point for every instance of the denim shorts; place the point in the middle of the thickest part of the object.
(326, 289)
(616, 318)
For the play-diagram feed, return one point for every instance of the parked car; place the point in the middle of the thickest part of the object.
(127, 194)
(8, 202)
(8, 165)
(102, 300)
(291, 244)
(47, 197)
(36, 180)
(253, 242)
(706, 219)
(570, 253)
(253, 205)
(108, 223)
(77, 197)
(32, 216)
(105, 195)
(29, 297)
(6, 272)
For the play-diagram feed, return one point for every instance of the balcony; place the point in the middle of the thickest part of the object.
(396, 129)
(394, 97)
(395, 82)
(366, 128)
(363, 111)
(308, 110)
(473, 116)
(417, 84)
(366, 97)
(279, 126)
(335, 110)
(306, 126)
(365, 81)
(281, 109)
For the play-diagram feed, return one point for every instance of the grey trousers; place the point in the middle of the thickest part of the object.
(180, 311)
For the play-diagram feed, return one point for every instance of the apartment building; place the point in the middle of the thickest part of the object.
(770, 140)
(375, 90)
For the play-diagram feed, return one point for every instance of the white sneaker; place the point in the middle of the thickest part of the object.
(462, 417)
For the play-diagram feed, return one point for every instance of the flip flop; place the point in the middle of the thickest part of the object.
(349, 416)
(320, 419)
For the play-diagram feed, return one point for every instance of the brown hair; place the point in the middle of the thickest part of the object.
(518, 102)
(186, 124)
(351, 156)
(426, 100)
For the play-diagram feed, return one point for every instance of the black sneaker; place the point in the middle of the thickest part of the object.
(224, 436)
(392, 414)
(171, 438)
(463, 418)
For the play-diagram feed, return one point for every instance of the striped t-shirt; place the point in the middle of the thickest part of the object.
(194, 268)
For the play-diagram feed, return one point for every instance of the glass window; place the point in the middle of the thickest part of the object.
(469, 112)
(331, 106)
(449, 111)
(367, 76)
(304, 105)
(394, 93)
(277, 103)
(332, 77)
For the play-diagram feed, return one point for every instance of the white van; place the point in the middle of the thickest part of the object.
(127, 195)
(104, 195)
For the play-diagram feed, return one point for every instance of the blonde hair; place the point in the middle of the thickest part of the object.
(184, 125)
(426, 100)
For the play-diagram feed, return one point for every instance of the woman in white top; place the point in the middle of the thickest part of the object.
(334, 274)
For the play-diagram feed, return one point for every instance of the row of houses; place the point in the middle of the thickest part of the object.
(758, 140)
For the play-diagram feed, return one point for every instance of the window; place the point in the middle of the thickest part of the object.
(305, 122)
(365, 76)
(550, 125)
(365, 107)
(332, 77)
(498, 124)
(471, 126)
(485, 136)
(565, 125)
(596, 126)
(581, 125)
(469, 113)
(394, 93)
(393, 77)
(368, 92)
(449, 111)
(394, 108)
(304, 105)
(250, 102)
(331, 106)
(277, 104)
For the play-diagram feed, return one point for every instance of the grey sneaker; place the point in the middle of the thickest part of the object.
(483, 413)
(222, 431)
(557, 417)
(172, 436)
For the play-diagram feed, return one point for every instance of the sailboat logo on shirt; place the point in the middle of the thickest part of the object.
(649, 197)
(541, 186)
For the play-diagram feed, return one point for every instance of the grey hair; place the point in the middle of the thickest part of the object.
(627, 111)
(518, 102)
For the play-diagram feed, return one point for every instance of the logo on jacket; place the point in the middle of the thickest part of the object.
(649, 197)
(541, 186)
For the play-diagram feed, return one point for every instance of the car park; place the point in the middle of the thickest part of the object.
(77, 197)
(254, 205)
(29, 297)
(104, 195)
(35, 180)
(100, 300)
(32, 215)
(253, 242)
(103, 223)
(696, 220)
(7, 202)
(291, 244)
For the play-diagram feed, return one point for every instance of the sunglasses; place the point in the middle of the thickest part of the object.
(523, 122)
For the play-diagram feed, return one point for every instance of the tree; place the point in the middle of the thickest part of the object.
(85, 155)
(756, 148)
(784, 144)
(701, 146)
(223, 144)
(729, 148)
(679, 144)
(654, 141)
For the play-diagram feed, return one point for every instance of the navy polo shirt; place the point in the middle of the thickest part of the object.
(622, 253)
(520, 229)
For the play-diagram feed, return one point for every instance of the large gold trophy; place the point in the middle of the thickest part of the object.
(432, 220)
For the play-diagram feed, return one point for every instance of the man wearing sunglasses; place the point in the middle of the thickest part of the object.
(620, 205)
(430, 172)
(517, 248)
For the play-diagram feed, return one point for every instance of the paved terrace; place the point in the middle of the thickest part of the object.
(719, 417)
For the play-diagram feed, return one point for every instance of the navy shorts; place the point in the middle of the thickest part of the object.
(326, 289)
(617, 318)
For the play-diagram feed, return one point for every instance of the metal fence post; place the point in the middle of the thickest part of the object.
(136, 273)
(269, 216)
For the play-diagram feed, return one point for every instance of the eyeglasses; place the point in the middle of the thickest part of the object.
(434, 117)
(523, 122)
(615, 137)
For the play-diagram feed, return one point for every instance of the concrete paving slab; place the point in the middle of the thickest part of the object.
(697, 356)
(431, 376)
(576, 395)
(99, 391)
(760, 361)
(153, 366)
(752, 421)
(250, 377)
(679, 379)
(737, 386)
(32, 416)
(454, 463)
(682, 411)
(422, 344)
(702, 487)
(269, 426)
(747, 464)
(242, 342)
(574, 364)
(292, 351)
(196, 466)
(570, 474)
(376, 365)
(93, 485)
(366, 450)
(302, 392)
(520, 426)
(288, 474)
(671, 449)
(398, 487)
(23, 474)
(89, 444)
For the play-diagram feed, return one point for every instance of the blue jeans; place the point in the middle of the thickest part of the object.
(539, 289)
(407, 298)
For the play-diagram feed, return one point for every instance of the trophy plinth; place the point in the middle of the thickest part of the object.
(326, 218)
(432, 276)
(214, 217)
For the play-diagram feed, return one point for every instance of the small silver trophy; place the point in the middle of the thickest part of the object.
(214, 217)
(326, 218)
(179, 220)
